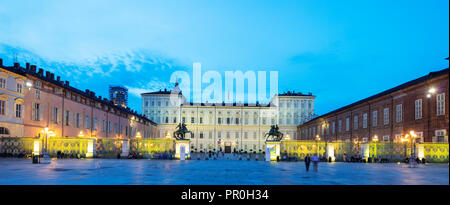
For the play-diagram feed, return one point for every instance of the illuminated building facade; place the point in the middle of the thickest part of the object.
(228, 126)
(420, 105)
(12, 87)
(48, 102)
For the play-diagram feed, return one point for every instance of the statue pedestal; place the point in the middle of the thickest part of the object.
(182, 149)
(272, 150)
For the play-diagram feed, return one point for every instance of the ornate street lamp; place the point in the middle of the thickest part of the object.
(430, 94)
(48, 133)
(375, 139)
(412, 160)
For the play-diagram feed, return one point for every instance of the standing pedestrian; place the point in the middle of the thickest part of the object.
(315, 160)
(307, 161)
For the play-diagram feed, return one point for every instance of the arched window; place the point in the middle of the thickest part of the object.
(4, 131)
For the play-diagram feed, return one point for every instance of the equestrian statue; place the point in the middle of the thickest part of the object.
(180, 133)
(274, 134)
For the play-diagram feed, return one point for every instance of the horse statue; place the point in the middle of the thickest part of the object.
(274, 134)
(180, 133)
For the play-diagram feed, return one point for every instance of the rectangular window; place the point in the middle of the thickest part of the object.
(201, 135)
(440, 104)
(365, 120)
(375, 118)
(37, 112)
(3, 83)
(38, 84)
(86, 122)
(355, 122)
(340, 126)
(228, 121)
(55, 115)
(219, 120)
(95, 124)
(333, 127)
(386, 138)
(19, 87)
(418, 109)
(237, 121)
(77, 120)
(386, 116)
(398, 113)
(18, 110)
(440, 136)
(183, 119)
(38, 94)
(192, 120)
(347, 124)
(2, 107)
(67, 117)
(201, 120)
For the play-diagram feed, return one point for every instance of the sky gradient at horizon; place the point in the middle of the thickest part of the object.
(341, 52)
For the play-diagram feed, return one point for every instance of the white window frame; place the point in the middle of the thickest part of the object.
(375, 118)
(440, 104)
(347, 124)
(399, 113)
(418, 109)
(386, 116)
(19, 110)
(3, 83)
(365, 120)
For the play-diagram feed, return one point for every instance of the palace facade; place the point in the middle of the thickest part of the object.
(420, 105)
(32, 101)
(227, 126)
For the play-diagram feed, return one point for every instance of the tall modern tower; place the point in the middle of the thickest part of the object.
(119, 95)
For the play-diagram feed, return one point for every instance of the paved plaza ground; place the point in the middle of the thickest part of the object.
(221, 172)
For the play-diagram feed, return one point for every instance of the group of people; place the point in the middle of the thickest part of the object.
(417, 159)
(315, 160)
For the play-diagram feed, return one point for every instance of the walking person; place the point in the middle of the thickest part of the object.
(307, 162)
(315, 160)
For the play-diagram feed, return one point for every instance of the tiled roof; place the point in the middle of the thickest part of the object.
(91, 95)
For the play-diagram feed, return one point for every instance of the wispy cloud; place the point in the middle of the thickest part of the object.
(154, 85)
(138, 70)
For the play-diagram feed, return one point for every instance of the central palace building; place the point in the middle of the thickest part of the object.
(228, 126)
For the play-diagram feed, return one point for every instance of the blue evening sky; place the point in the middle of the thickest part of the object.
(341, 51)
